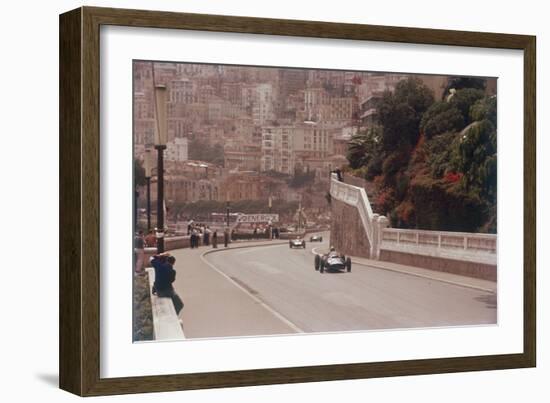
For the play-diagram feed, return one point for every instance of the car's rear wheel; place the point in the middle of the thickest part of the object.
(317, 262)
(348, 264)
(322, 267)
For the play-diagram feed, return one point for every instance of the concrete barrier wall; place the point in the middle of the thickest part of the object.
(356, 231)
(460, 267)
(171, 243)
(347, 233)
(166, 324)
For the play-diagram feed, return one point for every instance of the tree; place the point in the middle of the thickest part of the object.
(477, 159)
(400, 113)
(139, 173)
(485, 108)
(441, 117)
(363, 147)
(459, 83)
(464, 99)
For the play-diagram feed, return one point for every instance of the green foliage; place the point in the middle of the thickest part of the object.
(442, 153)
(435, 164)
(485, 108)
(445, 207)
(142, 315)
(363, 147)
(202, 151)
(464, 99)
(139, 174)
(477, 158)
(394, 163)
(400, 113)
(459, 83)
(401, 186)
(374, 167)
(440, 118)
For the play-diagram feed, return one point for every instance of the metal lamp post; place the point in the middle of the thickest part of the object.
(270, 227)
(227, 213)
(226, 233)
(148, 162)
(160, 146)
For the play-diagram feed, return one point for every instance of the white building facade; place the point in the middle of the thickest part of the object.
(177, 150)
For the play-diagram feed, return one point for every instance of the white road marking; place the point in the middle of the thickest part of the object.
(256, 299)
(315, 251)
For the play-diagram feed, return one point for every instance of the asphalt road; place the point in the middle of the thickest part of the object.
(285, 287)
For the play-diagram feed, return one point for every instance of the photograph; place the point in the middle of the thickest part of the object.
(275, 201)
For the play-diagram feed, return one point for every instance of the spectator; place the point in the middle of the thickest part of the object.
(192, 239)
(139, 251)
(339, 176)
(151, 239)
(165, 275)
(226, 237)
(215, 239)
(206, 237)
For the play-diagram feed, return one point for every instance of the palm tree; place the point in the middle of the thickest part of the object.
(362, 147)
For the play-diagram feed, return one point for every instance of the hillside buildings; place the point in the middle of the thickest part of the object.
(255, 126)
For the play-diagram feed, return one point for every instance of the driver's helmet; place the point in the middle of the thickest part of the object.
(332, 249)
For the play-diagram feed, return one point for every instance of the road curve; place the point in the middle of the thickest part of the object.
(284, 281)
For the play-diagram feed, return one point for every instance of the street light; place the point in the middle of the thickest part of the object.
(227, 212)
(160, 146)
(270, 228)
(226, 233)
(148, 165)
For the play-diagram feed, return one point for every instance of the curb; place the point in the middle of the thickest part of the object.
(475, 287)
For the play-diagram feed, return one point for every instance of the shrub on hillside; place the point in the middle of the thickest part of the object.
(440, 118)
(464, 99)
(446, 207)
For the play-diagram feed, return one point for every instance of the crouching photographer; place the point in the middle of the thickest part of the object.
(165, 275)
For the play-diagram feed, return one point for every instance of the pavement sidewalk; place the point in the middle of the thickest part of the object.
(215, 304)
(455, 279)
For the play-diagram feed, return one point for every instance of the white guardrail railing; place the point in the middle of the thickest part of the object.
(473, 247)
(464, 246)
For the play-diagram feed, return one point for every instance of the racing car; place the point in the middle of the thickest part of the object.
(297, 243)
(332, 261)
(316, 238)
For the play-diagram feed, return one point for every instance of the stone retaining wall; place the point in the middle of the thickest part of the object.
(347, 233)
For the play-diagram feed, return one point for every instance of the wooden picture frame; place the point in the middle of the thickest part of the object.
(80, 199)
